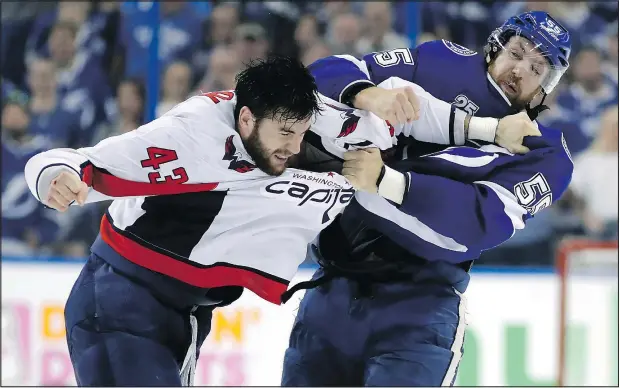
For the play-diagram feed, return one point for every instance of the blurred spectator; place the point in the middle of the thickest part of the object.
(78, 70)
(107, 20)
(219, 30)
(62, 44)
(307, 33)
(17, 22)
(131, 98)
(379, 34)
(465, 22)
(81, 14)
(344, 34)
(586, 97)
(66, 121)
(279, 19)
(433, 20)
(222, 23)
(129, 114)
(180, 31)
(595, 180)
(27, 226)
(175, 86)
(315, 52)
(73, 11)
(224, 64)
(250, 42)
(578, 16)
(330, 9)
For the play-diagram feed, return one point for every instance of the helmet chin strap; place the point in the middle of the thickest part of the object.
(537, 110)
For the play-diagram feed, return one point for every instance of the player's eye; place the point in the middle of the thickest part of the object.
(284, 133)
(514, 54)
(536, 70)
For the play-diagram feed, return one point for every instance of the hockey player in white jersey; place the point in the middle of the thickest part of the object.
(187, 189)
(204, 206)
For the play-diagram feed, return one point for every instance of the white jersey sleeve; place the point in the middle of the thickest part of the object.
(172, 154)
(437, 117)
(342, 128)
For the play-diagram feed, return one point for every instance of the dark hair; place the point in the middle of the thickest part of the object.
(321, 27)
(279, 87)
(140, 90)
(136, 83)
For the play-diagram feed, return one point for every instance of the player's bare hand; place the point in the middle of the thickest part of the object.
(399, 105)
(64, 189)
(512, 129)
(362, 168)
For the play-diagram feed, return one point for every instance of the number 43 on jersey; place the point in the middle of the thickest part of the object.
(159, 156)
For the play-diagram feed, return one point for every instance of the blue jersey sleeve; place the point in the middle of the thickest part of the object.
(462, 200)
(338, 74)
(341, 76)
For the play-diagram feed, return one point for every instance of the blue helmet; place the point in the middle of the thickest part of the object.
(549, 36)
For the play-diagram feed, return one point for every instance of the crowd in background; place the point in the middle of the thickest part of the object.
(74, 73)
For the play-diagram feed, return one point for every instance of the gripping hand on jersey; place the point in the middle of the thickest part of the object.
(508, 132)
(512, 129)
(363, 168)
(64, 189)
(398, 106)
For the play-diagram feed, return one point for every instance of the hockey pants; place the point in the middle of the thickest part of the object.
(120, 333)
(387, 334)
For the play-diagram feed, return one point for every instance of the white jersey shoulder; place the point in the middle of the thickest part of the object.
(211, 114)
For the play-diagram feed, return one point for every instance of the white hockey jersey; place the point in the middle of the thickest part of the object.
(189, 202)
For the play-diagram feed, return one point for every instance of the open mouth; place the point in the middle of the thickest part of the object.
(509, 87)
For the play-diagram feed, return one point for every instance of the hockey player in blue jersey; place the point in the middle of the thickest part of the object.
(386, 306)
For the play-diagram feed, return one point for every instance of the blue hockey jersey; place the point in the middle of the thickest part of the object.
(461, 200)
(448, 71)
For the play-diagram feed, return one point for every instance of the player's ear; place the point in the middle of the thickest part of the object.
(246, 122)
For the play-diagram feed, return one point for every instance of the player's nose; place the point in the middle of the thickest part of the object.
(519, 69)
(294, 146)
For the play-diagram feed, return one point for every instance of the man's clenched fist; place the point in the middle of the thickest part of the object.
(64, 189)
(362, 168)
(512, 129)
(399, 105)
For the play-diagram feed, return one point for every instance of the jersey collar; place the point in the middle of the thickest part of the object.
(499, 90)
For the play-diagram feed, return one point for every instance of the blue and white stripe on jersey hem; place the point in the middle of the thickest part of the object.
(382, 208)
(512, 208)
